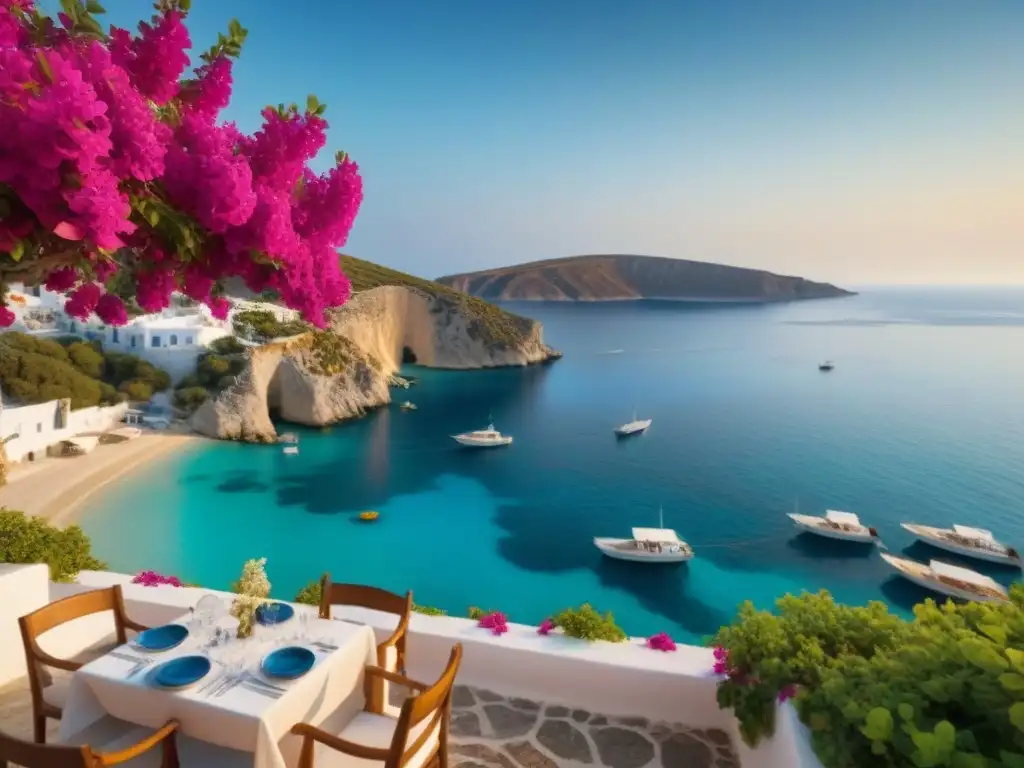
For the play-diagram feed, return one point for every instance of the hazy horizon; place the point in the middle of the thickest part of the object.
(846, 143)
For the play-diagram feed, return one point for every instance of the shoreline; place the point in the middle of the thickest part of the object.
(57, 489)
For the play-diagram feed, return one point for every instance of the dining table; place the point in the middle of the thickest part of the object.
(236, 705)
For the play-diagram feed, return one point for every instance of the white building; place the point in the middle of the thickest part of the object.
(172, 339)
(29, 430)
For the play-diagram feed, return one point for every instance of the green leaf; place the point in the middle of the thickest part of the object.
(93, 7)
(18, 250)
(935, 690)
(968, 760)
(1010, 759)
(927, 753)
(1012, 682)
(878, 747)
(945, 736)
(983, 655)
(153, 217)
(994, 631)
(1017, 716)
(1016, 658)
(185, 5)
(906, 712)
(878, 724)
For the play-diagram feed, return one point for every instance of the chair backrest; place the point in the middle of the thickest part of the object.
(31, 755)
(423, 721)
(362, 596)
(83, 604)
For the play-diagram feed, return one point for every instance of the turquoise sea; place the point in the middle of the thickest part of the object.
(921, 420)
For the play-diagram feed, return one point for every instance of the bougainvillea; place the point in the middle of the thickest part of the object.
(154, 579)
(114, 165)
(496, 622)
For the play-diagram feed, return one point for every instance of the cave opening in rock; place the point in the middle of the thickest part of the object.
(408, 356)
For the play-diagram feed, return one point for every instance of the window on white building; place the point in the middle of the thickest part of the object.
(113, 336)
(155, 342)
(132, 344)
(174, 340)
(188, 340)
(39, 427)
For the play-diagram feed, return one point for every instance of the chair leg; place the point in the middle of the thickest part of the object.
(39, 723)
(442, 754)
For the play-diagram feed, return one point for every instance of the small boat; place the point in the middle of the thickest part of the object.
(826, 366)
(634, 427)
(836, 525)
(949, 579)
(369, 515)
(648, 545)
(407, 406)
(483, 438)
(291, 450)
(971, 542)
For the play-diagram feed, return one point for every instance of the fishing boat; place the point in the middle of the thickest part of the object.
(291, 450)
(408, 406)
(634, 427)
(964, 540)
(836, 525)
(483, 438)
(950, 580)
(648, 545)
(826, 366)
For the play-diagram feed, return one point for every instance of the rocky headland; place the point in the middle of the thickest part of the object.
(340, 373)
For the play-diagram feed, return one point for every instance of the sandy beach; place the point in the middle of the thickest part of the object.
(56, 488)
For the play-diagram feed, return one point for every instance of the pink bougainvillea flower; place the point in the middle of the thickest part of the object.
(787, 692)
(661, 642)
(545, 627)
(7, 317)
(154, 579)
(721, 661)
(496, 622)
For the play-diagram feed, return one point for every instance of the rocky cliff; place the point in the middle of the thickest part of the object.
(329, 376)
(620, 277)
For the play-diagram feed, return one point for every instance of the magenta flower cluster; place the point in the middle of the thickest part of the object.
(661, 642)
(154, 579)
(496, 622)
(721, 661)
(110, 160)
(546, 626)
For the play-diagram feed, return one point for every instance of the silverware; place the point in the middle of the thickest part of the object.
(214, 679)
(123, 655)
(138, 668)
(250, 686)
(259, 681)
(325, 646)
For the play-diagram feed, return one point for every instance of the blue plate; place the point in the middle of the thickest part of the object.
(288, 663)
(185, 670)
(162, 638)
(284, 612)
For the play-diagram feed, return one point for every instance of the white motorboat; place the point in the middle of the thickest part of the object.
(483, 438)
(291, 450)
(648, 545)
(634, 427)
(836, 525)
(971, 542)
(949, 579)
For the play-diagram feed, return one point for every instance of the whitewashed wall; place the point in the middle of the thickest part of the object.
(38, 426)
(601, 677)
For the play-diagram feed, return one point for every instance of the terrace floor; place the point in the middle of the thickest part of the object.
(489, 730)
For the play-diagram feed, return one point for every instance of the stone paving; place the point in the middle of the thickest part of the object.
(489, 730)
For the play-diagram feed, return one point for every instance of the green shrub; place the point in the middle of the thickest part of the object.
(263, 323)
(227, 345)
(189, 380)
(158, 379)
(137, 390)
(211, 369)
(190, 398)
(586, 623)
(23, 342)
(945, 689)
(109, 394)
(310, 594)
(477, 613)
(35, 377)
(26, 539)
(86, 359)
(427, 610)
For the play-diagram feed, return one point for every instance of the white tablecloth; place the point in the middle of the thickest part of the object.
(240, 718)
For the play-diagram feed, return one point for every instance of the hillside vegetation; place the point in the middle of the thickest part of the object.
(35, 370)
(618, 277)
(497, 325)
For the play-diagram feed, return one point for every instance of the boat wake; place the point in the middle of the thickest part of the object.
(612, 352)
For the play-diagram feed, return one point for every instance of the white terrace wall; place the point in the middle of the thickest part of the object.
(626, 679)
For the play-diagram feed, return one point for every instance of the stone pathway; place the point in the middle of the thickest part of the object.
(491, 731)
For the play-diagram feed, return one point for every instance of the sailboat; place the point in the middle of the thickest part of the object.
(648, 545)
(634, 427)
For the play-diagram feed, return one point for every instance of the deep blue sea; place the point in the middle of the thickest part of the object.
(921, 420)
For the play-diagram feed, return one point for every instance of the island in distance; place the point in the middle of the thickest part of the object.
(622, 277)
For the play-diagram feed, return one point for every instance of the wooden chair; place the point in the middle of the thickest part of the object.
(390, 653)
(415, 739)
(31, 755)
(47, 698)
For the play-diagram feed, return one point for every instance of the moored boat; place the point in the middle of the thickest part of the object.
(836, 525)
(634, 427)
(483, 438)
(826, 366)
(951, 580)
(970, 542)
(648, 545)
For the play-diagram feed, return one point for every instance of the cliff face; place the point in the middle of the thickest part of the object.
(341, 373)
(618, 277)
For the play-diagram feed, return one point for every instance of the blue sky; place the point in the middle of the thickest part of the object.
(859, 142)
